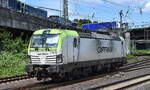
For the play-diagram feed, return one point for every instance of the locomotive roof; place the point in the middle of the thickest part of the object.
(57, 31)
(66, 32)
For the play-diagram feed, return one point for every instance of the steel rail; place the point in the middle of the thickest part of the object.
(124, 83)
(14, 78)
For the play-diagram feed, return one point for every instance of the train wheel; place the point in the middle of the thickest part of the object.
(107, 68)
(30, 74)
(69, 76)
(39, 78)
(57, 79)
(113, 67)
(94, 69)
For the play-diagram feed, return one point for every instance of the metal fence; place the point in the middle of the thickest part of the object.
(139, 46)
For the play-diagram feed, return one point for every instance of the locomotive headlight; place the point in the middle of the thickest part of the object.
(59, 58)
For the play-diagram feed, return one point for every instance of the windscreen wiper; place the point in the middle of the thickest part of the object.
(47, 49)
(36, 49)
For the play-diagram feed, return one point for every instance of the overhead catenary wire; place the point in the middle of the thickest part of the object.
(108, 1)
(92, 6)
(97, 12)
(49, 8)
(92, 10)
(94, 13)
(52, 9)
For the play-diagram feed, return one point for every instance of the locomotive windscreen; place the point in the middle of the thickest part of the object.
(45, 41)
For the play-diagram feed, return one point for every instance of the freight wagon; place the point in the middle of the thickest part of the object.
(17, 5)
(13, 4)
(61, 20)
(60, 54)
(4, 3)
(35, 11)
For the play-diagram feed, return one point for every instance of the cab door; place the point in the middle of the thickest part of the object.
(71, 49)
(76, 46)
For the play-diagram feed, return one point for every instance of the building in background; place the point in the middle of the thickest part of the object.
(140, 38)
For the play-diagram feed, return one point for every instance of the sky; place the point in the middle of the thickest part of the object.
(135, 12)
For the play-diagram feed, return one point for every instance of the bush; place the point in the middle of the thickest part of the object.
(13, 55)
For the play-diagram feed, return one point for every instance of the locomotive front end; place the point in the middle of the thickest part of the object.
(45, 54)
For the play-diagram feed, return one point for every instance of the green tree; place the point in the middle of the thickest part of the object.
(80, 22)
(95, 21)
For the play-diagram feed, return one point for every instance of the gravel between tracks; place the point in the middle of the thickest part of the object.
(97, 83)
(21, 83)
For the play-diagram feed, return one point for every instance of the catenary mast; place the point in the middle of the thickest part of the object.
(65, 9)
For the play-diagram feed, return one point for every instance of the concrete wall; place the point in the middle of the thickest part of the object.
(17, 20)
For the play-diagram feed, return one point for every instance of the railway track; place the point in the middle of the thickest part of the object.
(125, 84)
(50, 85)
(53, 85)
(135, 82)
(138, 63)
(14, 78)
(136, 66)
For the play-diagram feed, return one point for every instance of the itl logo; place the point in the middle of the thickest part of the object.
(42, 53)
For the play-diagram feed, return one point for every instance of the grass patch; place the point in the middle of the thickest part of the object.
(130, 56)
(132, 59)
(12, 64)
(141, 51)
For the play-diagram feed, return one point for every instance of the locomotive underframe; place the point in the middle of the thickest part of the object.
(59, 71)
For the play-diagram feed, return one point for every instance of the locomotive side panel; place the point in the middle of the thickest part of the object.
(90, 50)
(87, 50)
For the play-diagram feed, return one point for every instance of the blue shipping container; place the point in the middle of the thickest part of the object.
(100, 26)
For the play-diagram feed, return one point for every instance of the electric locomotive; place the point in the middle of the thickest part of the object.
(57, 53)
